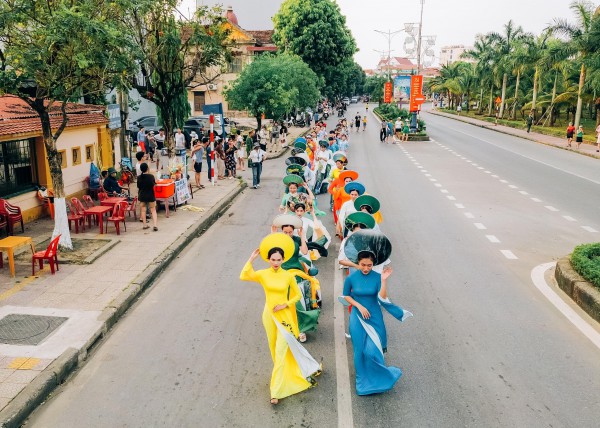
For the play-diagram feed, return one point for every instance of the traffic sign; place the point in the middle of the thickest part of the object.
(498, 100)
(419, 99)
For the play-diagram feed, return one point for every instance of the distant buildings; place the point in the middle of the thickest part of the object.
(450, 54)
(400, 65)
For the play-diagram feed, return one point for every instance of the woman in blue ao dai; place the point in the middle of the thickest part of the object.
(366, 291)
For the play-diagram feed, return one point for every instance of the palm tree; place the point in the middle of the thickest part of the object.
(518, 62)
(537, 50)
(504, 46)
(580, 42)
(482, 54)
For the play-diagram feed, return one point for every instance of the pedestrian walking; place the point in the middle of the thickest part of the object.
(579, 137)
(398, 125)
(230, 162)
(220, 158)
(357, 121)
(458, 109)
(570, 133)
(263, 136)
(529, 122)
(283, 135)
(179, 140)
(598, 138)
(383, 131)
(274, 137)
(405, 131)
(146, 197)
(364, 122)
(255, 160)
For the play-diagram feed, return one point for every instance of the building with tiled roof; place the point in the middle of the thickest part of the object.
(244, 45)
(23, 157)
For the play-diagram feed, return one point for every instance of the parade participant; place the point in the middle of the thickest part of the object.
(293, 371)
(354, 189)
(355, 222)
(371, 205)
(336, 188)
(299, 263)
(333, 145)
(293, 182)
(322, 166)
(366, 291)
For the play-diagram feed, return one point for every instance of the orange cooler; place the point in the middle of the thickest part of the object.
(164, 188)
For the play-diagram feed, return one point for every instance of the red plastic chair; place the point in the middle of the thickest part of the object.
(74, 217)
(88, 202)
(132, 208)
(13, 215)
(80, 209)
(50, 254)
(118, 216)
(102, 196)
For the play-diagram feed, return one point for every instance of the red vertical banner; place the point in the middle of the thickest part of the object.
(388, 90)
(416, 92)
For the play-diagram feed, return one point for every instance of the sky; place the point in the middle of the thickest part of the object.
(452, 22)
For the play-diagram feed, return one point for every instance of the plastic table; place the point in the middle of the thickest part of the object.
(9, 244)
(99, 212)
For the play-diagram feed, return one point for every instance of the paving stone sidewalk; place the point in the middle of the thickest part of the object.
(69, 311)
(549, 140)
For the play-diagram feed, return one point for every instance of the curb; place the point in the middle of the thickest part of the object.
(36, 392)
(577, 288)
(494, 128)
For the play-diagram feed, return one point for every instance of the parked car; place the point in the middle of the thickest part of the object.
(151, 123)
(354, 100)
(346, 101)
(202, 122)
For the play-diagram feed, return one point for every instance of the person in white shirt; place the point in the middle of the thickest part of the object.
(398, 129)
(179, 139)
(255, 159)
(354, 189)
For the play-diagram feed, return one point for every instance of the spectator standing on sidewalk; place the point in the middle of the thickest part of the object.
(179, 139)
(250, 142)
(146, 197)
(255, 160)
(263, 136)
(197, 154)
(141, 135)
(283, 135)
(274, 136)
(598, 138)
(529, 122)
(220, 158)
(458, 109)
(208, 151)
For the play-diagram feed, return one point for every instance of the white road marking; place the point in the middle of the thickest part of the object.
(443, 191)
(432, 179)
(452, 198)
(492, 239)
(512, 186)
(536, 200)
(459, 206)
(509, 254)
(469, 215)
(589, 229)
(480, 167)
(437, 185)
(424, 170)
(495, 176)
(539, 280)
(475, 164)
(427, 175)
(344, 399)
(480, 226)
(569, 218)
(504, 181)
(551, 208)
(488, 172)
(523, 192)
(420, 167)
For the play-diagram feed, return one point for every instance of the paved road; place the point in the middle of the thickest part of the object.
(485, 348)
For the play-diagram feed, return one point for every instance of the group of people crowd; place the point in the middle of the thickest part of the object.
(298, 239)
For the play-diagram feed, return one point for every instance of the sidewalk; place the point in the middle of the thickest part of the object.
(585, 149)
(57, 319)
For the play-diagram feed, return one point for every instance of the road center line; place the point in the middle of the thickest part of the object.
(551, 208)
(469, 215)
(569, 218)
(539, 280)
(536, 200)
(342, 373)
(480, 226)
(589, 229)
(492, 239)
(509, 254)
(459, 206)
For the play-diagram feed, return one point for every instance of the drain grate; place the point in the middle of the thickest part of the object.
(22, 329)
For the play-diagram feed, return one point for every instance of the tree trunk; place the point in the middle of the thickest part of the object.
(514, 110)
(491, 100)
(503, 97)
(480, 107)
(259, 122)
(535, 88)
(579, 99)
(554, 87)
(61, 222)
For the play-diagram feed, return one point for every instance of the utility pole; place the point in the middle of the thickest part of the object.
(419, 39)
(389, 34)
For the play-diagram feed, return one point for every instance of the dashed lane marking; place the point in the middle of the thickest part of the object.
(589, 229)
(492, 239)
(509, 254)
(551, 208)
(480, 226)
(569, 218)
(536, 200)
(469, 215)
(452, 198)
(459, 206)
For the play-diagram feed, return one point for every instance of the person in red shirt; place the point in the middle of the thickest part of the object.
(570, 132)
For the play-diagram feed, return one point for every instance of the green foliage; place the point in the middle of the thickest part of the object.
(586, 262)
(274, 85)
(346, 79)
(392, 112)
(316, 31)
(374, 87)
(175, 53)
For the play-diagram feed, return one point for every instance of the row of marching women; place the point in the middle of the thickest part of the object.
(297, 240)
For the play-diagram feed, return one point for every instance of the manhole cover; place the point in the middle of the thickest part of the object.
(21, 329)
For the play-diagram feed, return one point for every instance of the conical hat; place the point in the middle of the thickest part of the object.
(287, 219)
(292, 178)
(295, 160)
(279, 240)
(368, 200)
(359, 217)
(294, 169)
(354, 185)
(348, 174)
(368, 240)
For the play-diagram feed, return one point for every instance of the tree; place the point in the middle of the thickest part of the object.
(580, 42)
(374, 87)
(504, 47)
(175, 53)
(483, 71)
(274, 85)
(316, 31)
(347, 79)
(59, 51)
